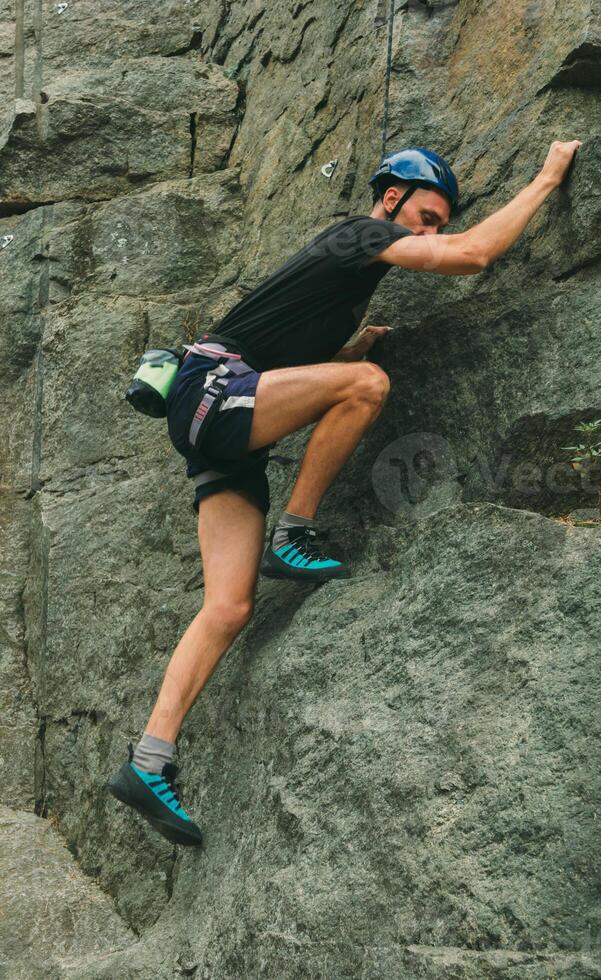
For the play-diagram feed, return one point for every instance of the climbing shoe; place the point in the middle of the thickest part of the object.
(300, 558)
(156, 798)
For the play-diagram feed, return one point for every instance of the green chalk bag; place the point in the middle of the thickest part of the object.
(152, 381)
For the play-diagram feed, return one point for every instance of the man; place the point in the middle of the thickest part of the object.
(293, 328)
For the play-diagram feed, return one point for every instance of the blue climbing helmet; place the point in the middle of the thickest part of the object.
(421, 168)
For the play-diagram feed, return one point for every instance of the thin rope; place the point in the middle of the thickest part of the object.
(391, 4)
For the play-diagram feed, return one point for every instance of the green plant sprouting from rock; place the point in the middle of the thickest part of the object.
(587, 455)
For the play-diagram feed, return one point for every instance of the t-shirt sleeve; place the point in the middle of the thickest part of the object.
(354, 244)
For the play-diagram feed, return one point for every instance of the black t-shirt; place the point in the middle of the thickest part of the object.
(308, 308)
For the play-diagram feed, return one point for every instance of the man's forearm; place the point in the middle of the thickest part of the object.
(348, 354)
(493, 236)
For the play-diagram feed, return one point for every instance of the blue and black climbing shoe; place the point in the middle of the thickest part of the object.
(156, 798)
(299, 558)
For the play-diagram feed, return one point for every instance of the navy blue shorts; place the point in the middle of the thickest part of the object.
(224, 461)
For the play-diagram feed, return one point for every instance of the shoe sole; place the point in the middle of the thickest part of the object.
(172, 834)
(269, 572)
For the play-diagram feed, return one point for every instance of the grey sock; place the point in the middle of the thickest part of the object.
(280, 535)
(151, 753)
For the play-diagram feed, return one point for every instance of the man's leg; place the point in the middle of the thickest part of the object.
(231, 532)
(345, 399)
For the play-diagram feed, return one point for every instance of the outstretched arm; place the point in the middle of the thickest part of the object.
(473, 250)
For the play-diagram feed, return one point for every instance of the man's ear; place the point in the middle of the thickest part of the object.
(392, 195)
(389, 199)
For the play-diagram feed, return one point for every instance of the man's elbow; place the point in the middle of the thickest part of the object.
(476, 260)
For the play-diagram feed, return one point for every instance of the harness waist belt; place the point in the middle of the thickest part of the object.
(216, 340)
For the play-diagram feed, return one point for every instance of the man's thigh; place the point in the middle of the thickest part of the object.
(288, 399)
(231, 535)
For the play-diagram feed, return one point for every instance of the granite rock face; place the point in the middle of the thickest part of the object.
(397, 775)
(55, 922)
(101, 134)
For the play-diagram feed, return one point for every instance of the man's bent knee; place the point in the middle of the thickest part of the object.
(230, 618)
(372, 384)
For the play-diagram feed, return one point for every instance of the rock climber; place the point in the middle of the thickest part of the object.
(290, 365)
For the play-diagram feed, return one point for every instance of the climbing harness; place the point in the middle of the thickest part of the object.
(228, 363)
(158, 368)
(154, 378)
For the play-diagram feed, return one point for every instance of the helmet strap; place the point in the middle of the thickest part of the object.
(392, 214)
